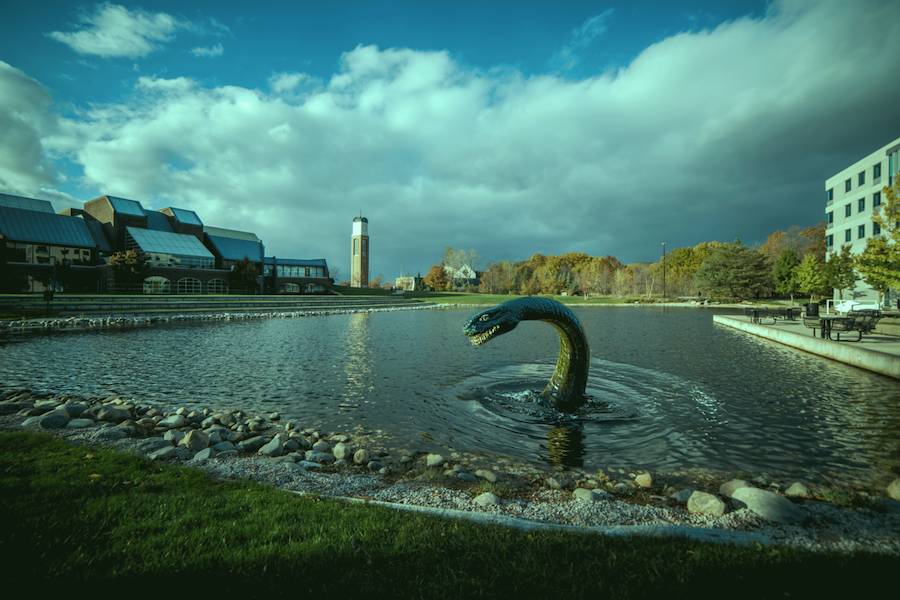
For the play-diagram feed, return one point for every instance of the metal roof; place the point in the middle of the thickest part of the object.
(96, 229)
(158, 221)
(126, 207)
(38, 227)
(10, 201)
(236, 249)
(298, 262)
(164, 242)
(188, 217)
(231, 233)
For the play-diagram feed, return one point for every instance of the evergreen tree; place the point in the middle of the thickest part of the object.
(811, 277)
(786, 273)
(839, 272)
(734, 271)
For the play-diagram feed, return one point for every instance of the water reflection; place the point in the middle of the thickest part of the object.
(565, 445)
(358, 385)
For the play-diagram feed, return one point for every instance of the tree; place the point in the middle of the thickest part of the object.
(436, 278)
(457, 263)
(786, 273)
(129, 268)
(376, 281)
(839, 272)
(243, 276)
(879, 265)
(811, 277)
(734, 271)
(888, 217)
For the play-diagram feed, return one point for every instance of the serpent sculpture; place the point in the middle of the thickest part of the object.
(565, 390)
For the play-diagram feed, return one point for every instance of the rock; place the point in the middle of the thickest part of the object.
(183, 453)
(274, 448)
(110, 434)
(205, 454)
(466, 476)
(486, 499)
(195, 440)
(80, 424)
(173, 422)
(226, 454)
(586, 495)
(252, 444)
(341, 451)
(181, 411)
(307, 464)
(113, 414)
(893, 490)
(167, 453)
(728, 488)
(325, 458)
(705, 504)
(321, 446)
(797, 490)
(384, 471)
(681, 496)
(225, 446)
(274, 416)
(623, 488)
(361, 457)
(553, 483)
(152, 444)
(487, 475)
(291, 445)
(31, 421)
(374, 465)
(55, 419)
(768, 505)
(644, 480)
(74, 409)
(434, 460)
(209, 422)
(174, 436)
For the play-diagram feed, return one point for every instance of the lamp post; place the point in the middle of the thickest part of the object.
(664, 270)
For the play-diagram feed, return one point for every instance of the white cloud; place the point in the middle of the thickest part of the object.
(582, 37)
(711, 134)
(113, 30)
(208, 52)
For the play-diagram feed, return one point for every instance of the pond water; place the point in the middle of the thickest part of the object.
(669, 389)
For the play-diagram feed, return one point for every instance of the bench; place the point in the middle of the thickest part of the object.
(865, 320)
(846, 325)
(759, 315)
(812, 323)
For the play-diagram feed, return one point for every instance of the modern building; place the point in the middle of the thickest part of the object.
(72, 251)
(410, 283)
(851, 197)
(359, 253)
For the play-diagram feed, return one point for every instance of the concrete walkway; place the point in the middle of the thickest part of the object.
(876, 352)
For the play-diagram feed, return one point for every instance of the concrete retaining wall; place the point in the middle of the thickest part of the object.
(871, 360)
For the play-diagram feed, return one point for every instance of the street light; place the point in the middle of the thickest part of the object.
(664, 270)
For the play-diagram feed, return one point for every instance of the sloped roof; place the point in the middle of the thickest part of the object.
(230, 248)
(96, 230)
(182, 215)
(39, 227)
(10, 201)
(297, 262)
(158, 221)
(231, 233)
(126, 207)
(164, 242)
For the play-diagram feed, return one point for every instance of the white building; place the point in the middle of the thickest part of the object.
(851, 197)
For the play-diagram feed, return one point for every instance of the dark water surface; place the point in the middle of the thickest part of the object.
(669, 389)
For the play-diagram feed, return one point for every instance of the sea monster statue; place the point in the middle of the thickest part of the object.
(565, 390)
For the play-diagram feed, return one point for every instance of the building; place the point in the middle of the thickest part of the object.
(359, 253)
(462, 277)
(410, 283)
(72, 251)
(851, 197)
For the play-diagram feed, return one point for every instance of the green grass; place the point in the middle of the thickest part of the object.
(469, 298)
(76, 518)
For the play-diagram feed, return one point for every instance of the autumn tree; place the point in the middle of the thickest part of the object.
(839, 271)
(436, 278)
(129, 268)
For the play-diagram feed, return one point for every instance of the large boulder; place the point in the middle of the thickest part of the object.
(768, 505)
(893, 490)
(324, 458)
(486, 499)
(252, 444)
(113, 414)
(705, 504)
(587, 495)
(173, 421)
(728, 488)
(487, 475)
(434, 460)
(195, 440)
(274, 448)
(55, 419)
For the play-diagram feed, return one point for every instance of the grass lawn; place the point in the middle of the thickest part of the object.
(75, 517)
(467, 298)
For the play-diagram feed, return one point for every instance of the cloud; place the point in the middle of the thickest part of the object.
(287, 82)
(713, 134)
(581, 38)
(208, 52)
(113, 31)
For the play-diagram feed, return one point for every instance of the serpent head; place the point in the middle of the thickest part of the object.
(490, 323)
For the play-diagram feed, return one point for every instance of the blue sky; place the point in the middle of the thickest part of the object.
(506, 127)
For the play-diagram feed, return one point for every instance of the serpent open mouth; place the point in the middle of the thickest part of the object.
(480, 338)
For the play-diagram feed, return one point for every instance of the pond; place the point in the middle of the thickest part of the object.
(670, 391)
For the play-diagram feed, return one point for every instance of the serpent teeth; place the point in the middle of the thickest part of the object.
(481, 338)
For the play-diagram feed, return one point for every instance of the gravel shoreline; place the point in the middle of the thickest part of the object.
(356, 465)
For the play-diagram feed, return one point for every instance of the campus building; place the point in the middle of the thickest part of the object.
(72, 251)
(851, 198)
(359, 253)
(410, 283)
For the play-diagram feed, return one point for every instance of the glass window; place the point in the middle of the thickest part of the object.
(848, 210)
(861, 231)
(829, 217)
(861, 178)
(829, 240)
(861, 205)
(216, 286)
(355, 246)
(365, 247)
(876, 229)
(876, 171)
(876, 199)
(156, 285)
(188, 285)
(830, 194)
(847, 185)
(848, 235)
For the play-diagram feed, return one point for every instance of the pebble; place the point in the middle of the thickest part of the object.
(434, 460)
(466, 476)
(644, 480)
(586, 495)
(728, 488)
(341, 451)
(361, 457)
(769, 505)
(623, 488)
(893, 490)
(374, 465)
(487, 475)
(797, 490)
(486, 499)
(681, 496)
(705, 504)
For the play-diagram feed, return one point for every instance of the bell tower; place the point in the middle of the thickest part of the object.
(359, 253)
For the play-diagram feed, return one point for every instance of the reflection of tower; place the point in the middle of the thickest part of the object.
(359, 363)
(359, 249)
(565, 445)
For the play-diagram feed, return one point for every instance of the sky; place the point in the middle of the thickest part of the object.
(504, 127)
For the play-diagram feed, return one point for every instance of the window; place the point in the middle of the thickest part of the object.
(829, 217)
(355, 246)
(829, 240)
(861, 231)
(876, 171)
(188, 285)
(156, 285)
(876, 199)
(829, 194)
(306, 272)
(861, 178)
(365, 247)
(876, 229)
(848, 235)
(216, 286)
(848, 210)
(847, 185)
(861, 205)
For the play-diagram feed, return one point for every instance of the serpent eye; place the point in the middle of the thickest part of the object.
(485, 318)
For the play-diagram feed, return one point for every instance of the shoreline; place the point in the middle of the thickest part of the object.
(354, 467)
